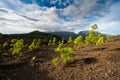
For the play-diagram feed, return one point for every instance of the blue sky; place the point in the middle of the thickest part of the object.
(22, 16)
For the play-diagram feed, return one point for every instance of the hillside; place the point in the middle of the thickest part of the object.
(28, 37)
(90, 63)
(44, 36)
(66, 35)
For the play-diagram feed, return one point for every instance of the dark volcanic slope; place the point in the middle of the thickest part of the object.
(28, 37)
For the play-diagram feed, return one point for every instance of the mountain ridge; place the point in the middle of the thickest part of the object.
(66, 35)
(61, 34)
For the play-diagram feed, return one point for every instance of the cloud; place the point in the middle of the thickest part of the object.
(18, 17)
(110, 23)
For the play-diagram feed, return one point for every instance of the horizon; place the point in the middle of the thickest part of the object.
(24, 16)
(56, 32)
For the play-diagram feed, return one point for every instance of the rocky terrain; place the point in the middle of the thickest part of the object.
(90, 63)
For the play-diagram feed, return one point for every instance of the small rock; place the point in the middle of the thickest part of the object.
(106, 75)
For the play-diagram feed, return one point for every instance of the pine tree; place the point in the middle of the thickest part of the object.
(94, 27)
(109, 39)
(54, 61)
(17, 50)
(65, 54)
(13, 41)
(35, 44)
(70, 40)
(91, 38)
(100, 40)
(50, 43)
(60, 43)
(5, 45)
(54, 41)
(78, 40)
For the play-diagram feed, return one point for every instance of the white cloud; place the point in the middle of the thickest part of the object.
(110, 23)
(48, 19)
(20, 17)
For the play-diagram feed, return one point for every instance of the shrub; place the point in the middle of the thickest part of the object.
(54, 61)
(70, 40)
(33, 58)
(17, 50)
(65, 54)
(57, 49)
(91, 38)
(77, 47)
(13, 41)
(100, 40)
(88, 40)
(50, 43)
(35, 44)
(54, 41)
(5, 45)
(60, 43)
(109, 39)
(78, 40)
(5, 54)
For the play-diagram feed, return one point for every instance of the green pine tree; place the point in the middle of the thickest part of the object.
(100, 40)
(54, 41)
(78, 40)
(5, 45)
(35, 44)
(92, 38)
(70, 40)
(17, 50)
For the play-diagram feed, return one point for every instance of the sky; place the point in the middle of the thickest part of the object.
(22, 16)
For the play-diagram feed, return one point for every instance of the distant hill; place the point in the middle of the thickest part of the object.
(45, 37)
(65, 34)
(28, 37)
